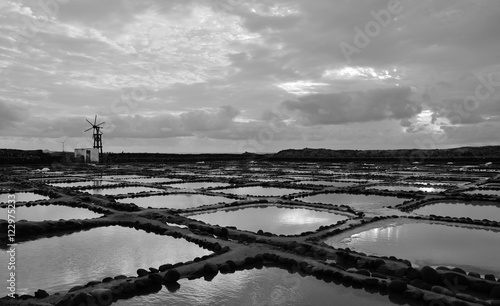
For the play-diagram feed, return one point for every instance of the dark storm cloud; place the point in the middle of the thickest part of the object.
(342, 108)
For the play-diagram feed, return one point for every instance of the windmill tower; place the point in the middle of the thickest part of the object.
(63, 144)
(96, 134)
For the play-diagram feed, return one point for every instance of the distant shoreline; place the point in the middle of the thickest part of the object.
(462, 155)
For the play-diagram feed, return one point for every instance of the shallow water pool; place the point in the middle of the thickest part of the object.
(327, 183)
(120, 190)
(177, 201)
(59, 263)
(408, 188)
(484, 191)
(353, 200)
(274, 219)
(195, 185)
(473, 210)
(261, 191)
(266, 286)
(50, 212)
(425, 243)
(84, 184)
(22, 197)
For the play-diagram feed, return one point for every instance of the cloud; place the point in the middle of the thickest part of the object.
(10, 115)
(202, 120)
(191, 57)
(342, 108)
(184, 124)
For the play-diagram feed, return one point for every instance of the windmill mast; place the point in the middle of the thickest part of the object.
(63, 144)
(96, 135)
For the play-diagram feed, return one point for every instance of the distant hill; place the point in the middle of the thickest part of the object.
(487, 154)
(464, 155)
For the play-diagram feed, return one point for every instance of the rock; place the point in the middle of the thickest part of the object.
(156, 278)
(165, 267)
(173, 287)
(364, 272)
(153, 270)
(384, 269)
(490, 277)
(142, 272)
(225, 268)
(458, 270)
(370, 282)
(172, 276)
(442, 290)
(378, 262)
(92, 283)
(495, 303)
(414, 294)
(128, 289)
(357, 283)
(232, 264)
(103, 296)
(378, 275)
(40, 294)
(481, 286)
(494, 294)
(430, 275)
(347, 279)
(143, 283)
(363, 264)
(412, 273)
(210, 268)
(64, 301)
(466, 297)
(401, 272)
(76, 288)
(455, 279)
(418, 283)
(397, 286)
(82, 298)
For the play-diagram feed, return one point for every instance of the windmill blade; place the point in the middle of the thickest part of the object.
(100, 123)
(89, 122)
(95, 119)
(89, 129)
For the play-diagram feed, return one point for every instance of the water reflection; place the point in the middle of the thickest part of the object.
(274, 219)
(459, 210)
(177, 201)
(408, 188)
(354, 200)
(199, 185)
(50, 212)
(22, 197)
(268, 286)
(94, 183)
(122, 190)
(430, 244)
(261, 191)
(59, 263)
(328, 183)
(483, 191)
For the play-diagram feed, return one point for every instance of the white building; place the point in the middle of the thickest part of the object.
(88, 155)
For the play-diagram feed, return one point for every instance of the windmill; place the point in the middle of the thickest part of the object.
(96, 134)
(63, 144)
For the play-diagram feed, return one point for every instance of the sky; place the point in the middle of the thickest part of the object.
(210, 76)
